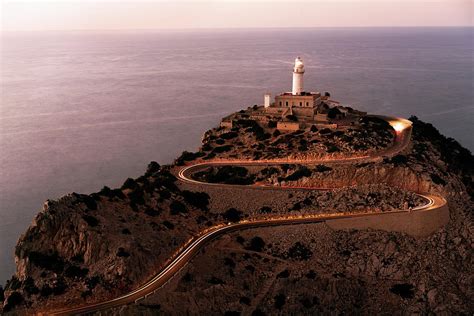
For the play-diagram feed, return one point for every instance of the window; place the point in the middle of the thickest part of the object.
(286, 103)
(307, 103)
(280, 103)
(301, 103)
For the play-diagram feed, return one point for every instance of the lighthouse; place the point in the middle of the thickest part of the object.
(298, 71)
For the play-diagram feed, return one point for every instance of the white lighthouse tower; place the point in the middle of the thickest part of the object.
(298, 72)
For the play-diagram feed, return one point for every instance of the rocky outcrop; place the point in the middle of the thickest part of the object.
(87, 248)
(366, 174)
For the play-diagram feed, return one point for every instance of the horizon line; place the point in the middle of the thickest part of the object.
(236, 28)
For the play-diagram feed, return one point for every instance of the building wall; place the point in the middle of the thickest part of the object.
(307, 112)
(320, 117)
(297, 100)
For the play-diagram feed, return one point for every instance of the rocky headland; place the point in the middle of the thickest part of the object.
(82, 249)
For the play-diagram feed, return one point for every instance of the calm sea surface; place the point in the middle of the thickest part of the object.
(84, 110)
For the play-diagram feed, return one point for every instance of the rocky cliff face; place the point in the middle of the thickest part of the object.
(86, 248)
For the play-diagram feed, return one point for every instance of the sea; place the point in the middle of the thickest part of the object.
(84, 109)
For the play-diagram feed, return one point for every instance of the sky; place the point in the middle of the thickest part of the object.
(41, 15)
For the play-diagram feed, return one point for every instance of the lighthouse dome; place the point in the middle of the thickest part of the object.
(299, 66)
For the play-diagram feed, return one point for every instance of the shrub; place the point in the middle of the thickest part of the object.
(227, 175)
(187, 156)
(325, 131)
(14, 300)
(117, 193)
(437, 179)
(375, 122)
(284, 274)
(14, 283)
(152, 212)
(2, 294)
(188, 277)
(92, 282)
(206, 147)
(89, 201)
(129, 184)
(313, 129)
(52, 262)
(105, 191)
(322, 168)
(296, 206)
(399, 160)
(229, 262)
(126, 231)
(152, 168)
(265, 210)
(168, 224)
(292, 118)
(269, 171)
(76, 272)
(202, 219)
(308, 303)
(280, 300)
(276, 133)
(298, 174)
(232, 215)
(229, 135)
(256, 244)
(122, 253)
(258, 312)
(177, 207)
(86, 293)
(136, 196)
(166, 179)
(311, 275)
(90, 220)
(46, 291)
(197, 199)
(60, 287)
(263, 136)
(245, 300)
(272, 124)
(165, 194)
(216, 280)
(30, 287)
(222, 149)
(299, 251)
(404, 290)
(332, 149)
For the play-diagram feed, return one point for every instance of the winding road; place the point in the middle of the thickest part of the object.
(193, 245)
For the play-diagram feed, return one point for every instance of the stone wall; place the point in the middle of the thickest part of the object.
(288, 126)
(415, 223)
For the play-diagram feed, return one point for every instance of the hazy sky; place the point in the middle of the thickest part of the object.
(177, 14)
